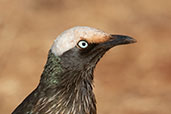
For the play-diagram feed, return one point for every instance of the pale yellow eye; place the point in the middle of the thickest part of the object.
(82, 44)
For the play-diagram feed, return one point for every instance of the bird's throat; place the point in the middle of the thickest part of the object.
(66, 91)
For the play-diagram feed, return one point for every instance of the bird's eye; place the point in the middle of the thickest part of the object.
(82, 44)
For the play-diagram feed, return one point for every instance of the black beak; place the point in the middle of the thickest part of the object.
(114, 40)
(117, 40)
(121, 39)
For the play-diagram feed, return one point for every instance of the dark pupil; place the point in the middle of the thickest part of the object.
(84, 44)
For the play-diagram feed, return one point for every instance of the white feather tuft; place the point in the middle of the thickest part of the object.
(69, 38)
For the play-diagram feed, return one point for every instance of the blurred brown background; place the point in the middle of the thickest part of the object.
(132, 79)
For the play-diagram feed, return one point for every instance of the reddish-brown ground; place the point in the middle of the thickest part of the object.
(132, 79)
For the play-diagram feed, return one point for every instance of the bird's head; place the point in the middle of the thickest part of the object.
(81, 47)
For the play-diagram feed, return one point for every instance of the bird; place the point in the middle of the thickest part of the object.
(66, 83)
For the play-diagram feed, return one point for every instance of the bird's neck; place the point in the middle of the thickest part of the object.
(65, 90)
(52, 71)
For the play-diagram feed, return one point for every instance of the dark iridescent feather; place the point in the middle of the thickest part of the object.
(61, 91)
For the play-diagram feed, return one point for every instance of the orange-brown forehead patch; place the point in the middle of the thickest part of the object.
(96, 39)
